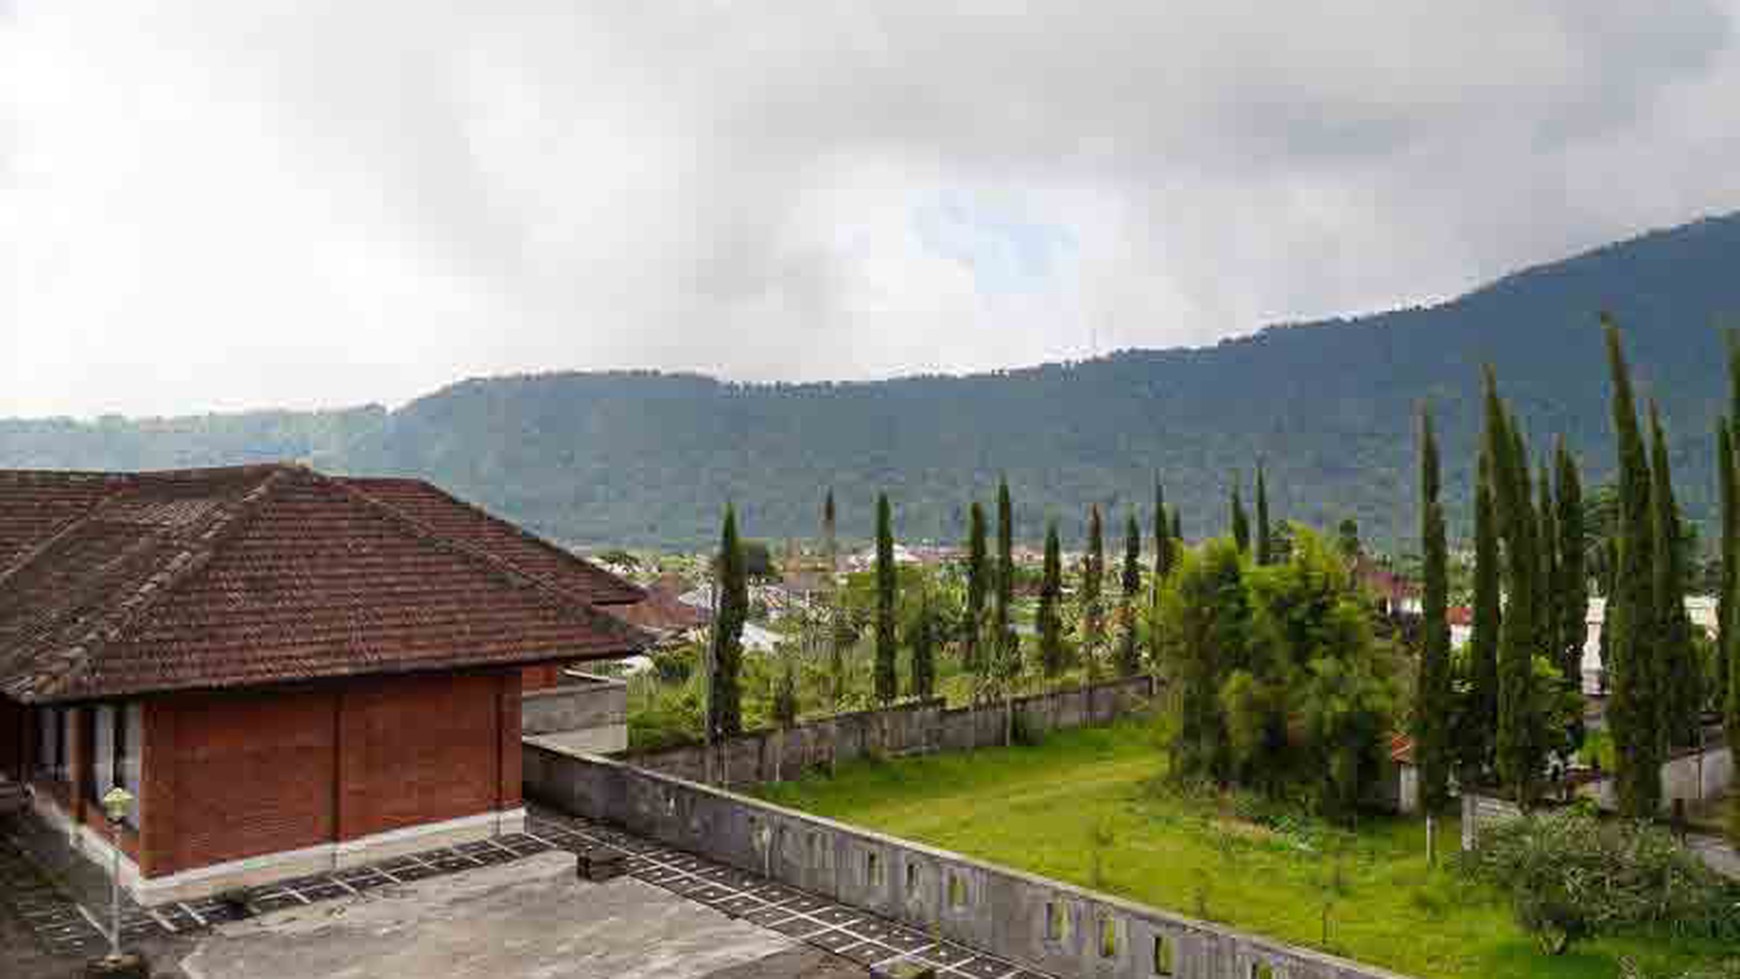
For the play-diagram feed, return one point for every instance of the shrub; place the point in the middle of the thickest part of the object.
(1572, 876)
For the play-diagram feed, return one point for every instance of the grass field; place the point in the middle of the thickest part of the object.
(1085, 807)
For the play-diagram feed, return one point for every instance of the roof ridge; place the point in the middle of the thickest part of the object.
(507, 525)
(31, 553)
(201, 547)
(560, 598)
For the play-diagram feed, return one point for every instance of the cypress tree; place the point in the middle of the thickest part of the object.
(1572, 585)
(887, 683)
(1263, 531)
(1004, 596)
(1518, 752)
(1547, 550)
(837, 623)
(1093, 606)
(726, 701)
(1129, 654)
(1680, 694)
(1241, 524)
(1728, 672)
(1163, 542)
(1177, 528)
(978, 581)
(1488, 617)
(1050, 624)
(1005, 649)
(1432, 693)
(921, 679)
(1632, 712)
(1162, 536)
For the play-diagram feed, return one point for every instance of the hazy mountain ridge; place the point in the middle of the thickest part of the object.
(642, 457)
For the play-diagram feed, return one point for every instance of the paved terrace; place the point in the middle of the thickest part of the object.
(503, 907)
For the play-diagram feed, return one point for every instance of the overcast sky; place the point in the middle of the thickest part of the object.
(232, 204)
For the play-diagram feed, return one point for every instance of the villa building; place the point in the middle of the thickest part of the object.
(289, 672)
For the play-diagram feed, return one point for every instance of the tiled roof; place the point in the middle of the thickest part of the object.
(663, 610)
(460, 521)
(253, 575)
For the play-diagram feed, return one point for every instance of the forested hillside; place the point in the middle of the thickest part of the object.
(649, 459)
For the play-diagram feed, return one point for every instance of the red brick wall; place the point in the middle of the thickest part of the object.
(252, 773)
(540, 677)
(419, 750)
(233, 775)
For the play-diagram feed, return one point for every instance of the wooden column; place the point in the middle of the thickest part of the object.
(508, 788)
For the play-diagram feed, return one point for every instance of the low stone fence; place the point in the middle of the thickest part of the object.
(1689, 775)
(924, 726)
(1483, 810)
(1043, 923)
(591, 712)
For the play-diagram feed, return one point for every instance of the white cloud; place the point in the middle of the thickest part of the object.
(229, 205)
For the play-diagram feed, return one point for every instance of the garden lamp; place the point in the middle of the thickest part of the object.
(116, 802)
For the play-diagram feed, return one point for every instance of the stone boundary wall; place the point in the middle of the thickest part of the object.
(914, 728)
(1043, 923)
(581, 701)
(1481, 810)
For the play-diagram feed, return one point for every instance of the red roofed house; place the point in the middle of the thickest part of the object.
(289, 671)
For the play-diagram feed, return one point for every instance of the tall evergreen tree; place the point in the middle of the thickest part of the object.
(1241, 524)
(978, 583)
(1433, 705)
(1547, 550)
(726, 699)
(1572, 586)
(1177, 528)
(1163, 556)
(1728, 644)
(838, 623)
(921, 679)
(1519, 749)
(1002, 634)
(1263, 530)
(1477, 744)
(1631, 662)
(1093, 588)
(1049, 620)
(887, 682)
(1129, 652)
(1680, 693)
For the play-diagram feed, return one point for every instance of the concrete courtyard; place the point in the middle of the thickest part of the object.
(531, 918)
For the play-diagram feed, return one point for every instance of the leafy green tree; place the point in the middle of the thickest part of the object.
(1572, 585)
(726, 700)
(1207, 615)
(1434, 705)
(1633, 714)
(1241, 524)
(1681, 688)
(1129, 650)
(1264, 541)
(921, 639)
(1050, 616)
(978, 580)
(1093, 588)
(887, 682)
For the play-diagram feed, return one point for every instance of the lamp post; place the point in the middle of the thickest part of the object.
(115, 805)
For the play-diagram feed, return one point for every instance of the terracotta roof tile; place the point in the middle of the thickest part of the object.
(457, 520)
(258, 575)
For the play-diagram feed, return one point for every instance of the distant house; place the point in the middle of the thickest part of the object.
(289, 671)
(1392, 593)
(662, 612)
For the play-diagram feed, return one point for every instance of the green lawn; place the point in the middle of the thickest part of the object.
(1042, 808)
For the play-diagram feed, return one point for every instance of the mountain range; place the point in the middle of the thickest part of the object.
(1329, 408)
